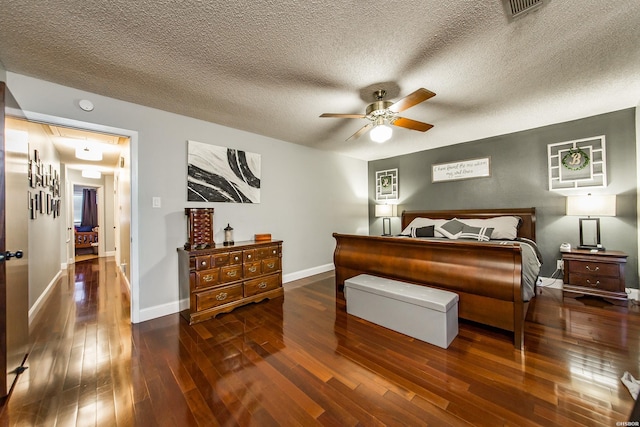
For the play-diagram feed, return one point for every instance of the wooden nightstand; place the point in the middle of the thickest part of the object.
(598, 274)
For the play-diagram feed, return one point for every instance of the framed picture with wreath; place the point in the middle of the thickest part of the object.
(387, 184)
(577, 164)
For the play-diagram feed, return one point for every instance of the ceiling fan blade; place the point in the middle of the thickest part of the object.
(411, 124)
(344, 116)
(360, 131)
(412, 99)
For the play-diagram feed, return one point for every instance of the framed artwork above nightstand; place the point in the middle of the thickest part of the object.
(599, 274)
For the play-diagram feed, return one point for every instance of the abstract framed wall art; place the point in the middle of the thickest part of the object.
(220, 174)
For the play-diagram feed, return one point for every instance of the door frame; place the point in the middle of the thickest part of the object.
(134, 229)
(102, 229)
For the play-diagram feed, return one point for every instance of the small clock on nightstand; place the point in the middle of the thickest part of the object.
(598, 274)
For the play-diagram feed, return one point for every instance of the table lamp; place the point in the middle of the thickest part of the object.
(588, 206)
(386, 212)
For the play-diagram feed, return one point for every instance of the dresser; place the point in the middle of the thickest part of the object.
(598, 274)
(221, 278)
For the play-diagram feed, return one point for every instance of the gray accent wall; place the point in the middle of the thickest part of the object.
(519, 178)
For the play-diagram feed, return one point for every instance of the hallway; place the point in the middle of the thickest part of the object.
(79, 367)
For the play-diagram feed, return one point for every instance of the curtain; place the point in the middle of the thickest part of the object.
(89, 208)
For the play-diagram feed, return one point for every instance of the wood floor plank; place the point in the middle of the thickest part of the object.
(301, 360)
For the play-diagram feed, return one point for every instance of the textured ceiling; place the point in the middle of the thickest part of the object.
(273, 66)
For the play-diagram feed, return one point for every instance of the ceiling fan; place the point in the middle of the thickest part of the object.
(382, 113)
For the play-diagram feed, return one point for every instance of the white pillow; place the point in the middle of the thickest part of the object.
(504, 227)
(424, 222)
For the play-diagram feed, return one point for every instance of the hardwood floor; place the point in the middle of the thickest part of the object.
(301, 360)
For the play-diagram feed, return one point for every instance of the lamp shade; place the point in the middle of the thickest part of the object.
(590, 205)
(386, 210)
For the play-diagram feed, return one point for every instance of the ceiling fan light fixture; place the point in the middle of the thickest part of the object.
(381, 132)
(84, 153)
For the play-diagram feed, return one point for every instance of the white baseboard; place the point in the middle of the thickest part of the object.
(183, 304)
(286, 278)
(160, 310)
(547, 282)
(125, 278)
(42, 299)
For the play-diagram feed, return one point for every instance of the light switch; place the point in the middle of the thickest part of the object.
(156, 202)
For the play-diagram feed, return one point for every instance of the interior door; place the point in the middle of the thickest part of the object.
(14, 271)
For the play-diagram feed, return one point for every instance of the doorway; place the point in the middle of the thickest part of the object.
(88, 218)
(113, 191)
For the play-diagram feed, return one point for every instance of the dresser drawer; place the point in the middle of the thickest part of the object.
(262, 284)
(270, 265)
(267, 252)
(230, 273)
(220, 260)
(207, 278)
(252, 269)
(218, 296)
(203, 262)
(593, 281)
(594, 268)
(249, 255)
(235, 257)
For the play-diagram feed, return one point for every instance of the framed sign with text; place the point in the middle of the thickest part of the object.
(464, 169)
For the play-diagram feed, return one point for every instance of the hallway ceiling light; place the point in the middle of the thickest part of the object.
(88, 173)
(87, 154)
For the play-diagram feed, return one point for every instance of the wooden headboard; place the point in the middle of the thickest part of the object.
(527, 226)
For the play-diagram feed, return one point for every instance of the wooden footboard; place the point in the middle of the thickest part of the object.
(486, 277)
(86, 239)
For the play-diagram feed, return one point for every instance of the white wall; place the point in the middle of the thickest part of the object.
(306, 194)
(45, 232)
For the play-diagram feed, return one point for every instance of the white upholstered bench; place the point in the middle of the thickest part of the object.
(421, 312)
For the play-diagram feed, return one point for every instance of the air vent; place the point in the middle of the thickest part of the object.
(517, 8)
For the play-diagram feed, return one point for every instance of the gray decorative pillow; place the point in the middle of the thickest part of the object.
(481, 234)
(451, 229)
(422, 231)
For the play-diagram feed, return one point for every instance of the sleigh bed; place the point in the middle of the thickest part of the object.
(495, 279)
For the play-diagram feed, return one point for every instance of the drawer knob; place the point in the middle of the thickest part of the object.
(235, 258)
(248, 256)
(221, 296)
(253, 269)
(592, 269)
(593, 284)
(203, 263)
(262, 285)
(231, 273)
